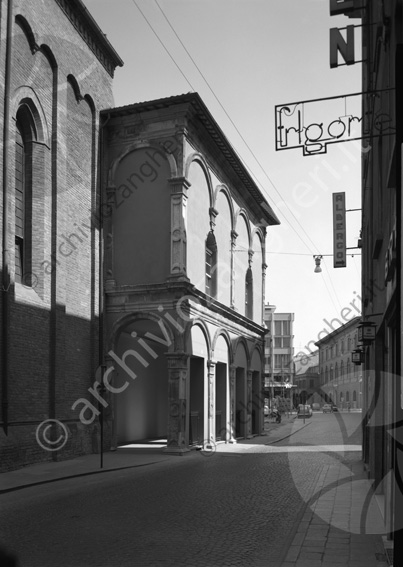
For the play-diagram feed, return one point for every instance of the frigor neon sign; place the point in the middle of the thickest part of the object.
(298, 126)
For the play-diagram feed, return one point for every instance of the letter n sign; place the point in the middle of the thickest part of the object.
(339, 230)
(346, 47)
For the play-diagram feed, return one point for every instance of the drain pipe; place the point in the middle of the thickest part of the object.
(6, 221)
(101, 297)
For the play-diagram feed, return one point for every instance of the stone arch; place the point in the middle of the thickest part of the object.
(26, 96)
(244, 342)
(198, 321)
(243, 213)
(256, 348)
(224, 189)
(136, 146)
(197, 157)
(120, 324)
(138, 365)
(223, 333)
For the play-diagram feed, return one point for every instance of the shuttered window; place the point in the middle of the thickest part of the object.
(19, 205)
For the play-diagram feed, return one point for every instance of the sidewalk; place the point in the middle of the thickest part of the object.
(136, 455)
(341, 525)
(42, 473)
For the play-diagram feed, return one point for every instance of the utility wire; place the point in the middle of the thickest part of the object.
(232, 122)
(252, 153)
(164, 47)
(236, 128)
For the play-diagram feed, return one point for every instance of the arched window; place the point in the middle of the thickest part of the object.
(211, 265)
(249, 294)
(25, 134)
(347, 396)
(354, 396)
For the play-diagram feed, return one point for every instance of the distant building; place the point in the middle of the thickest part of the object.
(306, 379)
(279, 352)
(340, 378)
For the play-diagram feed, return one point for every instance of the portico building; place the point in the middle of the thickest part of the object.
(184, 277)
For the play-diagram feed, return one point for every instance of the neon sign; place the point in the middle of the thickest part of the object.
(300, 124)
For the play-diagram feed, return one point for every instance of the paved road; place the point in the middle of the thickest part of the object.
(238, 508)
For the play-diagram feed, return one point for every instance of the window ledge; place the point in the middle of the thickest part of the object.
(25, 294)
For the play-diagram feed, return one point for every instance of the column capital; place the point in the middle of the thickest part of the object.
(177, 359)
(179, 185)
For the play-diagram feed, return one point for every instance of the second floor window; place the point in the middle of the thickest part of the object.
(211, 265)
(249, 294)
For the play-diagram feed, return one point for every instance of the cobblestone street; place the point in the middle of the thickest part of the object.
(241, 506)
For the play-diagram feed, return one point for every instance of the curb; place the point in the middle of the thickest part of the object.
(78, 475)
(289, 435)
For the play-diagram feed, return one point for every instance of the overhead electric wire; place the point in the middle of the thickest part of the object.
(238, 132)
(234, 125)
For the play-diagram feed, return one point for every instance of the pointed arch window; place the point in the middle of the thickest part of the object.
(249, 294)
(211, 265)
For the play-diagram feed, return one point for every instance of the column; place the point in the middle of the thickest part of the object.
(211, 367)
(249, 405)
(264, 268)
(177, 380)
(232, 414)
(179, 188)
(234, 236)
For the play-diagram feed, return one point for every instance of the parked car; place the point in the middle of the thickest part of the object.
(304, 411)
(327, 408)
(315, 407)
(334, 408)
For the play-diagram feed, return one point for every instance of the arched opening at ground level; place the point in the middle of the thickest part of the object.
(140, 378)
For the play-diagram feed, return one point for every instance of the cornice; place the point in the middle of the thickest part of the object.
(91, 33)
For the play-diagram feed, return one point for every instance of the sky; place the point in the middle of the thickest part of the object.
(244, 57)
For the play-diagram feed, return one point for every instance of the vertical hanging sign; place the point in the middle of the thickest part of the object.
(339, 230)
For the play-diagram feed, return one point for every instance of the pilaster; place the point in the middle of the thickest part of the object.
(264, 268)
(179, 188)
(177, 380)
(211, 376)
(234, 236)
(249, 405)
(232, 379)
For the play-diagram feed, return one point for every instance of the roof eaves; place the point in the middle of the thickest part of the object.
(203, 114)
